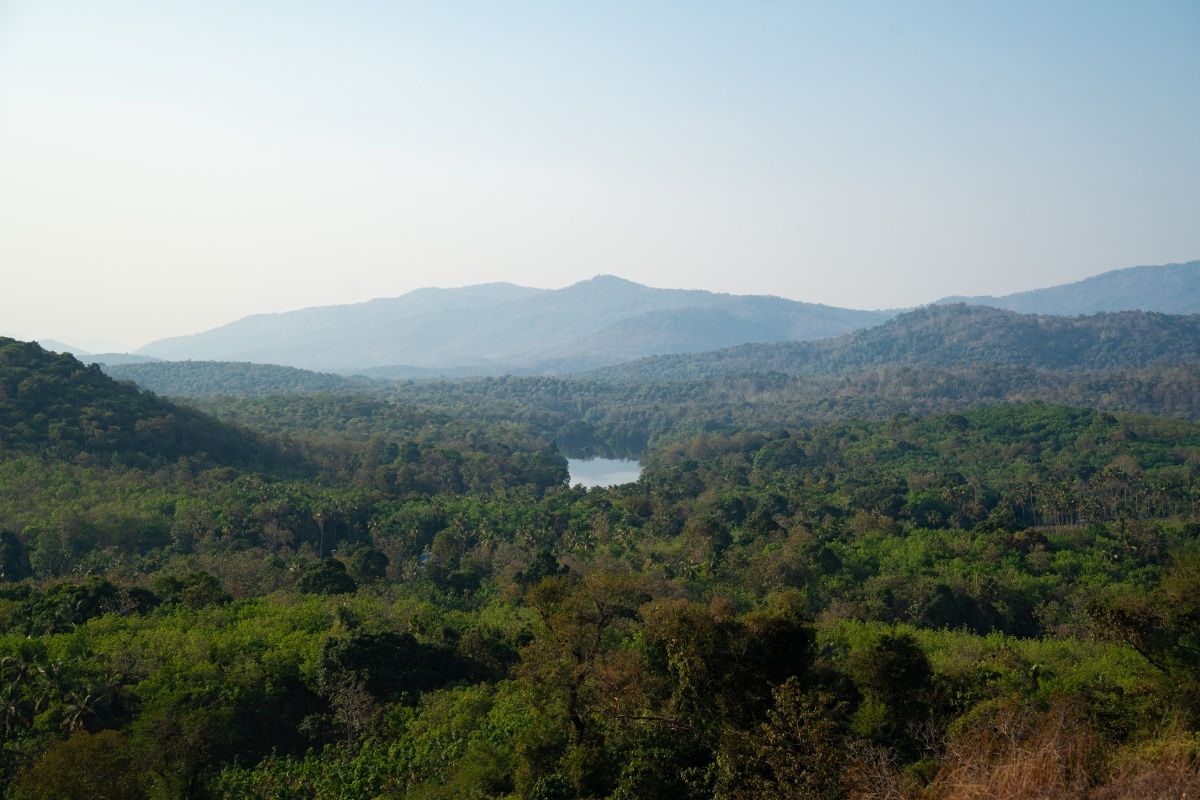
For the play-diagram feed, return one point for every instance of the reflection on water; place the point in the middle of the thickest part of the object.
(603, 471)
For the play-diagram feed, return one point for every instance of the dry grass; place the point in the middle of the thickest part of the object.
(1168, 769)
(1017, 753)
(873, 775)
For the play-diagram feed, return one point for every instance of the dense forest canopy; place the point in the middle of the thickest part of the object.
(624, 418)
(53, 404)
(202, 378)
(900, 580)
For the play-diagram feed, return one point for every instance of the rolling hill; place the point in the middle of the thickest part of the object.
(951, 336)
(502, 327)
(206, 378)
(114, 359)
(1168, 289)
(53, 405)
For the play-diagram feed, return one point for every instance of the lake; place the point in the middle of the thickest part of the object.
(603, 471)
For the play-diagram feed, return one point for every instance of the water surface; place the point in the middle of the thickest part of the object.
(603, 471)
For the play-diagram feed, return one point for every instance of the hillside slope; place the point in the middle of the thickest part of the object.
(952, 336)
(204, 378)
(53, 405)
(1168, 289)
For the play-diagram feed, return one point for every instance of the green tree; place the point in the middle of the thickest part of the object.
(366, 564)
(85, 766)
(327, 576)
(14, 560)
(799, 752)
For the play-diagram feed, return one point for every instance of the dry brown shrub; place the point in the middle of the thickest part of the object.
(1168, 769)
(1015, 752)
(874, 774)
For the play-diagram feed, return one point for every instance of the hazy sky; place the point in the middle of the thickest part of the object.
(166, 167)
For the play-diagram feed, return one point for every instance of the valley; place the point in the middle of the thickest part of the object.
(229, 579)
(599, 401)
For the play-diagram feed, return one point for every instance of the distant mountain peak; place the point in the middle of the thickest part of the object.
(511, 328)
(607, 281)
(603, 320)
(55, 346)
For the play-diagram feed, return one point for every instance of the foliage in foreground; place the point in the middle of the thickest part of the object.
(403, 602)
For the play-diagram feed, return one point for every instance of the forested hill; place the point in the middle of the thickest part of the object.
(501, 328)
(240, 379)
(1169, 289)
(53, 405)
(952, 336)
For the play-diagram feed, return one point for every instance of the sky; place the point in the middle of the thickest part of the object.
(166, 167)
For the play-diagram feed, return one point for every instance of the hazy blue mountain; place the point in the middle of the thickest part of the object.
(344, 337)
(495, 328)
(405, 372)
(1168, 289)
(55, 346)
(112, 359)
(204, 378)
(952, 336)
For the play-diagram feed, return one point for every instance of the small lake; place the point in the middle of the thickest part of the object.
(603, 471)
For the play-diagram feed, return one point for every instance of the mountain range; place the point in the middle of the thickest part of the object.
(502, 328)
(986, 342)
